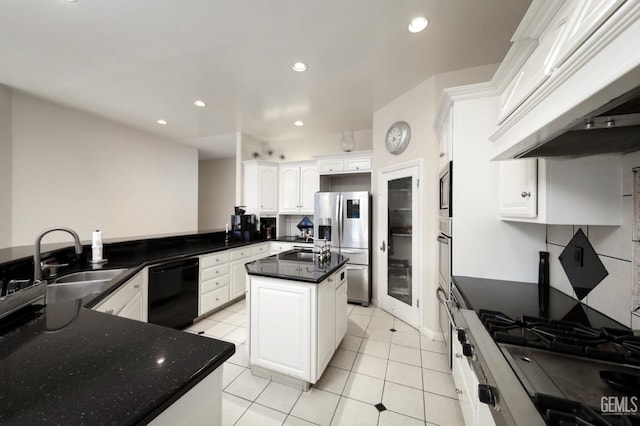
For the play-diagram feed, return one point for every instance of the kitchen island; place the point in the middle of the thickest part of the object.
(297, 315)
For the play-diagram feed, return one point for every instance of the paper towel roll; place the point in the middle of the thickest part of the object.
(96, 246)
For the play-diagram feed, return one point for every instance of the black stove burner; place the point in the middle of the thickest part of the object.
(559, 411)
(607, 344)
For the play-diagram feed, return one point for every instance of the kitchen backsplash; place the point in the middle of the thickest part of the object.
(614, 295)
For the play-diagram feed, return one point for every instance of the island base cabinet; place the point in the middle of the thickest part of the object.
(281, 326)
(341, 312)
(202, 405)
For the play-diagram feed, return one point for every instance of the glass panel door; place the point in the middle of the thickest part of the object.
(400, 239)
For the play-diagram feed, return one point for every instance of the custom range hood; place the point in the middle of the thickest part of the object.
(612, 128)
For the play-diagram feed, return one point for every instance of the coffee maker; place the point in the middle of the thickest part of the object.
(244, 227)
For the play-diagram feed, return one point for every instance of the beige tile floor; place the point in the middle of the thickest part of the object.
(403, 370)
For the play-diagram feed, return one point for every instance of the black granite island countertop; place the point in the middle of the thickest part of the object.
(296, 265)
(63, 364)
(521, 298)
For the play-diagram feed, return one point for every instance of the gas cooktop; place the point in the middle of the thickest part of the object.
(574, 374)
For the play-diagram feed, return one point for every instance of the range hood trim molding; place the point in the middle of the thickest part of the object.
(555, 101)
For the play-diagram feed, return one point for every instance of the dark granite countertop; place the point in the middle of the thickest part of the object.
(520, 298)
(97, 368)
(285, 266)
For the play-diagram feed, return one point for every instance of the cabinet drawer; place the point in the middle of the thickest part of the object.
(215, 272)
(277, 247)
(262, 249)
(330, 166)
(357, 164)
(240, 253)
(213, 284)
(214, 259)
(213, 299)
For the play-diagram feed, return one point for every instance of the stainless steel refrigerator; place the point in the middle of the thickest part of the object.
(344, 220)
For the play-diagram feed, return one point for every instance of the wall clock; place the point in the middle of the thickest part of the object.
(398, 137)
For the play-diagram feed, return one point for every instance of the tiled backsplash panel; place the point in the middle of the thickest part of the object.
(615, 241)
(557, 277)
(614, 246)
(611, 296)
(582, 265)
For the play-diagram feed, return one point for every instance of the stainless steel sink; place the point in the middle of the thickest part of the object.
(94, 275)
(302, 255)
(84, 285)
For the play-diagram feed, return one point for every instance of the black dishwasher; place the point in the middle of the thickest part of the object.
(173, 293)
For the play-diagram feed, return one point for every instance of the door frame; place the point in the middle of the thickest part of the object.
(418, 233)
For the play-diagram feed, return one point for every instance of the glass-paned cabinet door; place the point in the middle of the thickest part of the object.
(400, 239)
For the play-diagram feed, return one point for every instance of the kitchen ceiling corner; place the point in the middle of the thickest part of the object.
(136, 62)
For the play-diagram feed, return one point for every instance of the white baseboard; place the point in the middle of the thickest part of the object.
(433, 335)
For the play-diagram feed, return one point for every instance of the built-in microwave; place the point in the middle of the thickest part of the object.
(446, 190)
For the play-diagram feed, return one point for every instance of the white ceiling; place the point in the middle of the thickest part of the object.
(136, 61)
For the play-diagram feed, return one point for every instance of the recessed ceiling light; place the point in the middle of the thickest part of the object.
(299, 66)
(199, 103)
(418, 24)
(299, 123)
(163, 122)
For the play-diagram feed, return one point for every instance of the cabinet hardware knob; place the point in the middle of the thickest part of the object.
(136, 286)
(525, 194)
(458, 355)
(330, 170)
(217, 299)
(357, 168)
(458, 391)
(109, 311)
(441, 154)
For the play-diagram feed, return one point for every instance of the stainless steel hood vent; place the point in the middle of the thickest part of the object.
(613, 128)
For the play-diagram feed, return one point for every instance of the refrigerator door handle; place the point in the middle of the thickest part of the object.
(341, 220)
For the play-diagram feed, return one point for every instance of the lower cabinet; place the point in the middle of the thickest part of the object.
(295, 327)
(341, 306)
(466, 382)
(129, 301)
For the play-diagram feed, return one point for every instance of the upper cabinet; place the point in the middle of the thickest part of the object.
(260, 182)
(352, 162)
(444, 127)
(298, 184)
(568, 58)
(585, 191)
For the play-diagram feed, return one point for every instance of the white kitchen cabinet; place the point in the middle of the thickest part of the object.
(214, 281)
(340, 307)
(586, 190)
(293, 324)
(260, 183)
(444, 128)
(128, 301)
(238, 273)
(298, 184)
(281, 326)
(519, 188)
(352, 162)
(276, 247)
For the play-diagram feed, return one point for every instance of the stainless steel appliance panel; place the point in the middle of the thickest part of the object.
(344, 220)
(446, 190)
(354, 224)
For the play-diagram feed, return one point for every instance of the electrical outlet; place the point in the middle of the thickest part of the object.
(578, 256)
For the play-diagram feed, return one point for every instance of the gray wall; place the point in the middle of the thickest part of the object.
(216, 192)
(5, 167)
(74, 169)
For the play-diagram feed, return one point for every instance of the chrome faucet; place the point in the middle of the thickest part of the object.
(38, 266)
